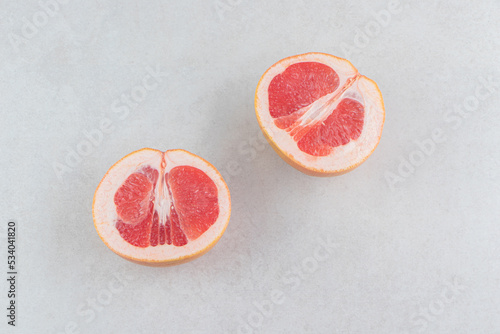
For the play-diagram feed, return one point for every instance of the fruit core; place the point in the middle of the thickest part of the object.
(306, 101)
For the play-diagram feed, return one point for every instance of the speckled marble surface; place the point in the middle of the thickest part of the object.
(406, 243)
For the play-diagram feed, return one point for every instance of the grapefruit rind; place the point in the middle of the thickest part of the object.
(343, 158)
(105, 215)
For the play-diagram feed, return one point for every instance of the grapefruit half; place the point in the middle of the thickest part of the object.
(319, 114)
(161, 208)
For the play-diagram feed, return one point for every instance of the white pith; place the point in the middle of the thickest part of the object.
(320, 109)
(351, 85)
(105, 215)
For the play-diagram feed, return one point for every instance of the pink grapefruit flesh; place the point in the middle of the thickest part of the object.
(161, 208)
(319, 113)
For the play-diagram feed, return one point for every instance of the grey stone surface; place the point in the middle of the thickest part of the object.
(407, 243)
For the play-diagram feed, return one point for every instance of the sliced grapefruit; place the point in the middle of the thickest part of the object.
(319, 114)
(161, 208)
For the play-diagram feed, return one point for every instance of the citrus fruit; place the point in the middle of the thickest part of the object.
(319, 114)
(161, 208)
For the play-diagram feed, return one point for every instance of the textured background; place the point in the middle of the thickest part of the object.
(406, 243)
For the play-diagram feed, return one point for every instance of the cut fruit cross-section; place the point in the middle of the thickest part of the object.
(161, 208)
(319, 114)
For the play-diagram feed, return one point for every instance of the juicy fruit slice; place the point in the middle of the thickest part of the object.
(319, 113)
(196, 200)
(161, 208)
(197, 203)
(344, 124)
(300, 85)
